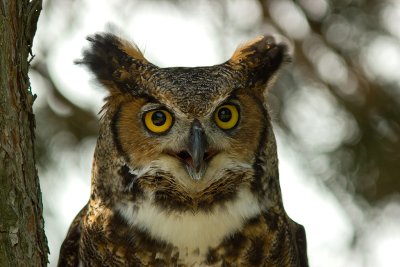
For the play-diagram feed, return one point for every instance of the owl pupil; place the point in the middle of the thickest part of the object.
(158, 118)
(224, 114)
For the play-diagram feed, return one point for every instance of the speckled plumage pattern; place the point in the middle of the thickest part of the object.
(146, 208)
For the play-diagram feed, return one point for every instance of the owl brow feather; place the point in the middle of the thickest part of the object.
(121, 67)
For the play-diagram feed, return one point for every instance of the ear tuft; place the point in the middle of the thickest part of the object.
(132, 50)
(260, 58)
(114, 62)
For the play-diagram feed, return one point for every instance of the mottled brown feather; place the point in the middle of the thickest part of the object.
(132, 165)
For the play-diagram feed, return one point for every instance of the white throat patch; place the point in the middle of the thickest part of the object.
(191, 231)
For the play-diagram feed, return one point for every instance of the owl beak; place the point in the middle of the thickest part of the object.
(197, 146)
(195, 156)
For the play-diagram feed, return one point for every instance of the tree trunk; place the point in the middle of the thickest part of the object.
(22, 238)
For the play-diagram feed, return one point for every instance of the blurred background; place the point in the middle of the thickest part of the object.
(336, 107)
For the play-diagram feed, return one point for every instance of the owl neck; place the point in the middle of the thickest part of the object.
(107, 163)
(266, 179)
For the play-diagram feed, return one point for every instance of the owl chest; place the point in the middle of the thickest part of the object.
(188, 236)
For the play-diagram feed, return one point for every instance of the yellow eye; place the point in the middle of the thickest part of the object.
(226, 116)
(158, 121)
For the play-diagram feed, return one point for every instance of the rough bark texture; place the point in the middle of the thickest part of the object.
(22, 238)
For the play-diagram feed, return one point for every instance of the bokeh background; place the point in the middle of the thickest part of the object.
(336, 107)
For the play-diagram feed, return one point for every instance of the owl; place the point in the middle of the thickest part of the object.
(185, 170)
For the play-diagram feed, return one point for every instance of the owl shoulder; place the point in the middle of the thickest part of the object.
(69, 252)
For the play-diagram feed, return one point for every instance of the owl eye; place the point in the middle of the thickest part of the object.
(158, 121)
(226, 116)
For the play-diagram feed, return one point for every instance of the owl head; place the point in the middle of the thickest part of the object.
(186, 138)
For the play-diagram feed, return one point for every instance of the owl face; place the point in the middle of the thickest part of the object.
(189, 137)
(197, 147)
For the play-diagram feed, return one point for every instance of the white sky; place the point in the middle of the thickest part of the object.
(170, 38)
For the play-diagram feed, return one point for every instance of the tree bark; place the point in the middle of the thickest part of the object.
(22, 238)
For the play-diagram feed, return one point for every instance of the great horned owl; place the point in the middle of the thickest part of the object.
(185, 171)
